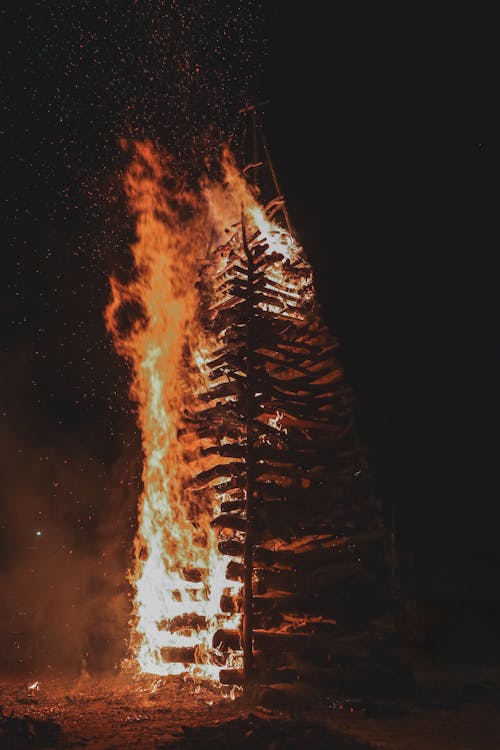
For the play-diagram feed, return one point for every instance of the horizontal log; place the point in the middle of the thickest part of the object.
(191, 655)
(234, 571)
(231, 486)
(292, 642)
(300, 604)
(187, 620)
(225, 640)
(365, 544)
(218, 472)
(229, 521)
(288, 581)
(304, 386)
(278, 580)
(227, 318)
(328, 649)
(231, 677)
(228, 303)
(179, 654)
(280, 675)
(219, 354)
(287, 559)
(292, 472)
(265, 261)
(325, 653)
(215, 430)
(263, 298)
(231, 604)
(346, 593)
(229, 450)
(286, 530)
(231, 505)
(229, 412)
(333, 516)
(231, 547)
(262, 555)
(195, 575)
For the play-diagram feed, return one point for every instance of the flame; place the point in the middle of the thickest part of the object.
(277, 422)
(178, 574)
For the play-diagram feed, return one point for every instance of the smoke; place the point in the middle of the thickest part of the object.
(66, 527)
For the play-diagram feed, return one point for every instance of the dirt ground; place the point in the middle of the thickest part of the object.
(118, 712)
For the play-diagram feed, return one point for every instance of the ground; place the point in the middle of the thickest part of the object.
(117, 712)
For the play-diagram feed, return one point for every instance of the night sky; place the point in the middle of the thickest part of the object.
(391, 206)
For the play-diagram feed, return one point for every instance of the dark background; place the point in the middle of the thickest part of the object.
(392, 205)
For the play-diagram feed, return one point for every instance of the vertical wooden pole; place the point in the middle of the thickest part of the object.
(250, 478)
(273, 171)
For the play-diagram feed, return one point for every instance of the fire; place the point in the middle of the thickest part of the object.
(179, 575)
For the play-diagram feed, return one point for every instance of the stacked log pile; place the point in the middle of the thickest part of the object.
(296, 516)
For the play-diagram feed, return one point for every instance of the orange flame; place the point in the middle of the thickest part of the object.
(178, 573)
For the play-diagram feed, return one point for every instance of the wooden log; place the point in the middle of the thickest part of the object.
(292, 472)
(273, 659)
(233, 485)
(195, 575)
(191, 655)
(227, 411)
(187, 620)
(301, 605)
(221, 471)
(230, 450)
(268, 620)
(275, 519)
(225, 640)
(277, 580)
(291, 642)
(229, 521)
(280, 675)
(230, 505)
(179, 654)
(231, 677)
(275, 558)
(231, 604)
(325, 653)
(330, 579)
(356, 548)
(358, 606)
(226, 318)
(235, 571)
(219, 356)
(231, 547)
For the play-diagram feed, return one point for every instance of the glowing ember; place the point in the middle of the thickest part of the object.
(178, 574)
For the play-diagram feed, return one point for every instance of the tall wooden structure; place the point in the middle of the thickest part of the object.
(298, 519)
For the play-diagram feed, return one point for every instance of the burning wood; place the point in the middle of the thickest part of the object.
(178, 574)
(249, 447)
(293, 454)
